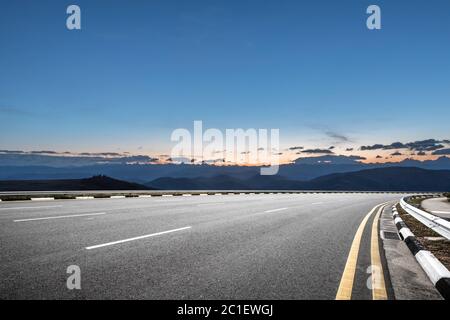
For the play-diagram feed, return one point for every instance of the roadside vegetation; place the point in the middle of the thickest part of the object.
(431, 240)
(447, 194)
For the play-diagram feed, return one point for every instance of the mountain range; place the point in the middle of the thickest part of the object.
(379, 179)
(302, 169)
(330, 172)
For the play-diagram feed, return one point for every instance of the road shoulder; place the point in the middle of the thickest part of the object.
(409, 281)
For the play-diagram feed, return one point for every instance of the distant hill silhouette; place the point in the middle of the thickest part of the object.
(379, 179)
(220, 182)
(386, 179)
(94, 183)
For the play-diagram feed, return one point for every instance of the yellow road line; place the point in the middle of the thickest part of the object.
(348, 276)
(378, 284)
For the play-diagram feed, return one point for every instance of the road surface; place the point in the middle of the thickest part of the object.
(438, 206)
(262, 246)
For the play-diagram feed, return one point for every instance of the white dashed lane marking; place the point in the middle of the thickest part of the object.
(136, 238)
(61, 217)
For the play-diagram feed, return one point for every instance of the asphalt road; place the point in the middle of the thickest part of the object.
(263, 246)
(438, 206)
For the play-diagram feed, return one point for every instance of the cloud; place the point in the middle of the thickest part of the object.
(11, 151)
(426, 145)
(57, 159)
(396, 153)
(44, 152)
(421, 145)
(337, 136)
(90, 154)
(441, 152)
(373, 147)
(109, 154)
(318, 151)
(180, 160)
(295, 148)
(211, 161)
(435, 147)
(349, 149)
(330, 159)
(394, 145)
(331, 148)
(354, 157)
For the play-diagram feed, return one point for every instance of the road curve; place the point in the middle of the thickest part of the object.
(262, 246)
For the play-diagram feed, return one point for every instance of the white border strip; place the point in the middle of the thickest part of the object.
(42, 199)
(432, 266)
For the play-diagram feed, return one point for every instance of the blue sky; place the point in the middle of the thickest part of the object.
(138, 70)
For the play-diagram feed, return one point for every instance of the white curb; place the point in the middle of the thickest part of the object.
(42, 199)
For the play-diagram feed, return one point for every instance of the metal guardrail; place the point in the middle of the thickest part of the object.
(433, 222)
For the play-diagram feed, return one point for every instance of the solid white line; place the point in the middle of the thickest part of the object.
(136, 238)
(145, 196)
(117, 197)
(84, 198)
(187, 195)
(60, 217)
(275, 210)
(167, 195)
(22, 208)
(440, 211)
